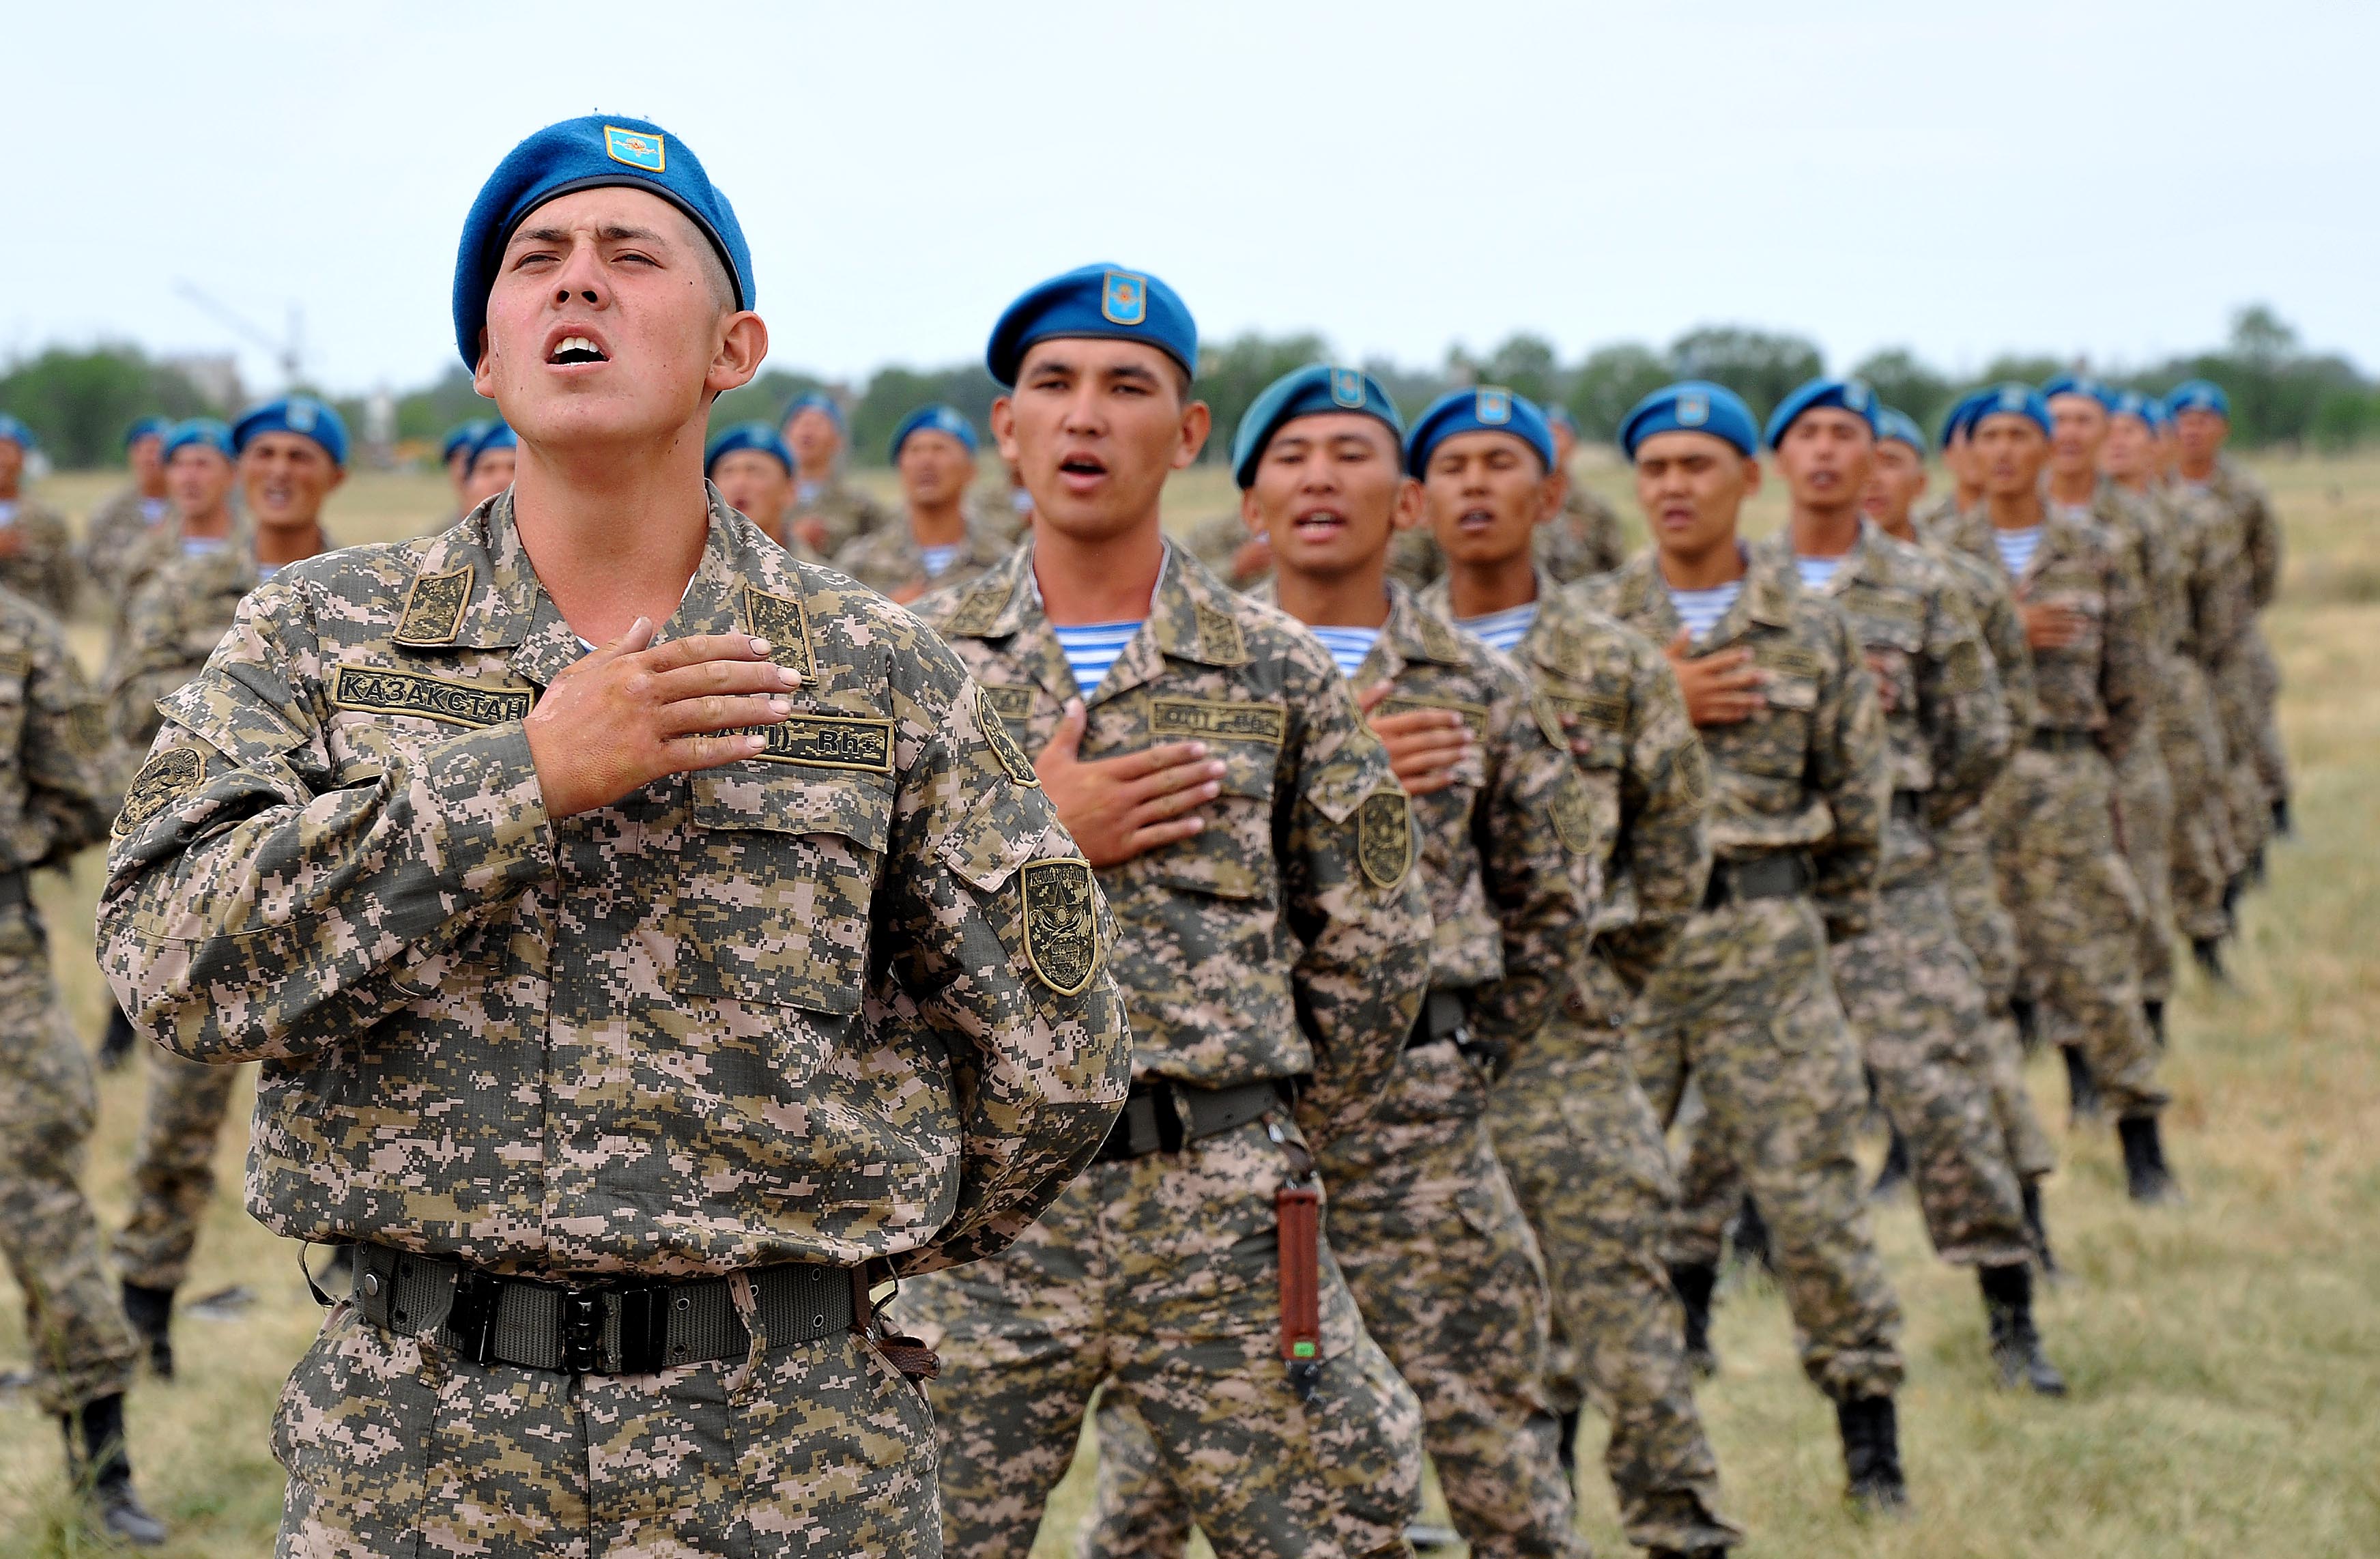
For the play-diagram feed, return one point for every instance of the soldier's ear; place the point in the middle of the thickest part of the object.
(1751, 476)
(1197, 422)
(1410, 511)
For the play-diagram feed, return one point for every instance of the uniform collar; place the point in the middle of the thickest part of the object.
(1851, 567)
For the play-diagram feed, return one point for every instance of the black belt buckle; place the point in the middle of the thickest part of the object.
(582, 1330)
(644, 1330)
(472, 1318)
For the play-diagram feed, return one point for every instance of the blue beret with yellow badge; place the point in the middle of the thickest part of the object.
(2011, 399)
(935, 418)
(302, 415)
(1691, 405)
(1099, 302)
(2198, 395)
(145, 427)
(748, 436)
(1847, 395)
(1312, 391)
(1896, 426)
(13, 430)
(1481, 409)
(599, 152)
(2080, 385)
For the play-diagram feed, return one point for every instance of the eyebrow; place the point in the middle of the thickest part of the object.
(610, 232)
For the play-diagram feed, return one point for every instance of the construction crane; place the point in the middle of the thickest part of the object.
(288, 352)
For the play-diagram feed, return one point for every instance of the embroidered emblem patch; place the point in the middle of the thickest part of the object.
(1607, 710)
(1384, 837)
(300, 414)
(1003, 744)
(978, 615)
(434, 607)
(1693, 408)
(87, 729)
(1062, 940)
(1014, 704)
(829, 741)
(1474, 714)
(164, 779)
(428, 698)
(638, 149)
(1493, 406)
(1572, 815)
(1219, 719)
(1123, 299)
(1347, 387)
(786, 624)
(1856, 396)
(1219, 639)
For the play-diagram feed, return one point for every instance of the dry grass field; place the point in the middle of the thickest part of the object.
(2225, 1355)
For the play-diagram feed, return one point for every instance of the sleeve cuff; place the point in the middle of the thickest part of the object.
(494, 836)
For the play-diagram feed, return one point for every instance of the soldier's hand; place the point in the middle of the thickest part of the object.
(1424, 745)
(1122, 807)
(1881, 670)
(1253, 561)
(1720, 690)
(625, 715)
(812, 531)
(2048, 626)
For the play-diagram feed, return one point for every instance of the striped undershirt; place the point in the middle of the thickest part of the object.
(1502, 631)
(2017, 548)
(1817, 573)
(1700, 610)
(1349, 646)
(1091, 648)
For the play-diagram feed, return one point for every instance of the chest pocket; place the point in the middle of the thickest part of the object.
(2080, 594)
(1892, 639)
(786, 859)
(1599, 746)
(1776, 742)
(1233, 856)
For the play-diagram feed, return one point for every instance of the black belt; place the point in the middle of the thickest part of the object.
(1786, 875)
(2053, 739)
(13, 894)
(1164, 1116)
(1440, 1018)
(600, 1329)
(1909, 806)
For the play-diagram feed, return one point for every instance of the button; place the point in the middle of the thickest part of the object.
(372, 1282)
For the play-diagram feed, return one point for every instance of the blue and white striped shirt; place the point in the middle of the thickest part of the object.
(1817, 573)
(1350, 647)
(2017, 548)
(1502, 631)
(1091, 648)
(1700, 610)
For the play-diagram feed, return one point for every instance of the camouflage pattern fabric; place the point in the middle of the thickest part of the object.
(2072, 895)
(173, 1168)
(2145, 788)
(1275, 943)
(185, 605)
(2255, 675)
(888, 561)
(37, 558)
(112, 534)
(394, 1445)
(57, 793)
(1933, 517)
(789, 1009)
(2204, 849)
(1583, 538)
(1745, 1003)
(845, 511)
(1216, 541)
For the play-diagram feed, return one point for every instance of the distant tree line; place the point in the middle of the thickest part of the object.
(78, 401)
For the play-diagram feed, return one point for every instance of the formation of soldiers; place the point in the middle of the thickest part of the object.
(770, 1045)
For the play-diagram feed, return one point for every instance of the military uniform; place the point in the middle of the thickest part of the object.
(1911, 988)
(2143, 783)
(1274, 962)
(1216, 541)
(2248, 679)
(58, 790)
(2206, 851)
(2067, 885)
(695, 1061)
(1939, 516)
(37, 557)
(845, 511)
(888, 560)
(112, 533)
(1584, 539)
(1423, 1218)
(1745, 1002)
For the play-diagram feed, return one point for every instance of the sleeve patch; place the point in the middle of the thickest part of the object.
(1061, 942)
(1004, 745)
(1572, 815)
(164, 780)
(1384, 837)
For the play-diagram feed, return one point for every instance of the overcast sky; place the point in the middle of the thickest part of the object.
(2101, 178)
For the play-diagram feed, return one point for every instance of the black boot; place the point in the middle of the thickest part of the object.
(103, 1473)
(2039, 1228)
(151, 1311)
(1894, 1176)
(2282, 828)
(2154, 1012)
(2016, 1342)
(116, 1044)
(2208, 951)
(1872, 1453)
(2145, 1176)
(1750, 1235)
(2028, 1024)
(2082, 1087)
(1694, 1281)
(1566, 1447)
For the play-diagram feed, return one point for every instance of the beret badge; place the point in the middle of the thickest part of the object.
(634, 148)
(1693, 408)
(1495, 406)
(1347, 387)
(1124, 299)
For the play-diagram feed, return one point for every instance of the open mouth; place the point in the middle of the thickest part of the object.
(1319, 524)
(1473, 522)
(573, 350)
(1082, 470)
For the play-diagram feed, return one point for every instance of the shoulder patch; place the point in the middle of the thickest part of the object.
(1437, 639)
(979, 613)
(829, 741)
(1219, 641)
(1572, 814)
(1220, 719)
(164, 779)
(434, 607)
(1062, 940)
(1014, 704)
(1002, 743)
(1384, 837)
(1692, 768)
(426, 697)
(785, 622)
(1474, 714)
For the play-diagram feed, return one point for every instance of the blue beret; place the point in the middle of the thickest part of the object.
(499, 435)
(1848, 394)
(461, 436)
(2156, 411)
(1558, 415)
(1960, 418)
(1483, 409)
(934, 419)
(813, 400)
(1691, 405)
(1105, 302)
(16, 433)
(595, 153)
(1307, 392)
(2011, 399)
(2198, 395)
(198, 429)
(2131, 403)
(2080, 385)
(748, 436)
(302, 415)
(145, 427)
(1892, 423)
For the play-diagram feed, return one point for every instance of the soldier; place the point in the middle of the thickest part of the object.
(495, 453)
(200, 476)
(116, 527)
(1908, 983)
(2203, 854)
(454, 452)
(2062, 873)
(1962, 845)
(827, 512)
(57, 787)
(36, 551)
(1571, 1120)
(754, 472)
(1254, 844)
(1583, 538)
(636, 1011)
(935, 544)
(1744, 1005)
(293, 455)
(2248, 684)
(1966, 491)
(1423, 1218)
